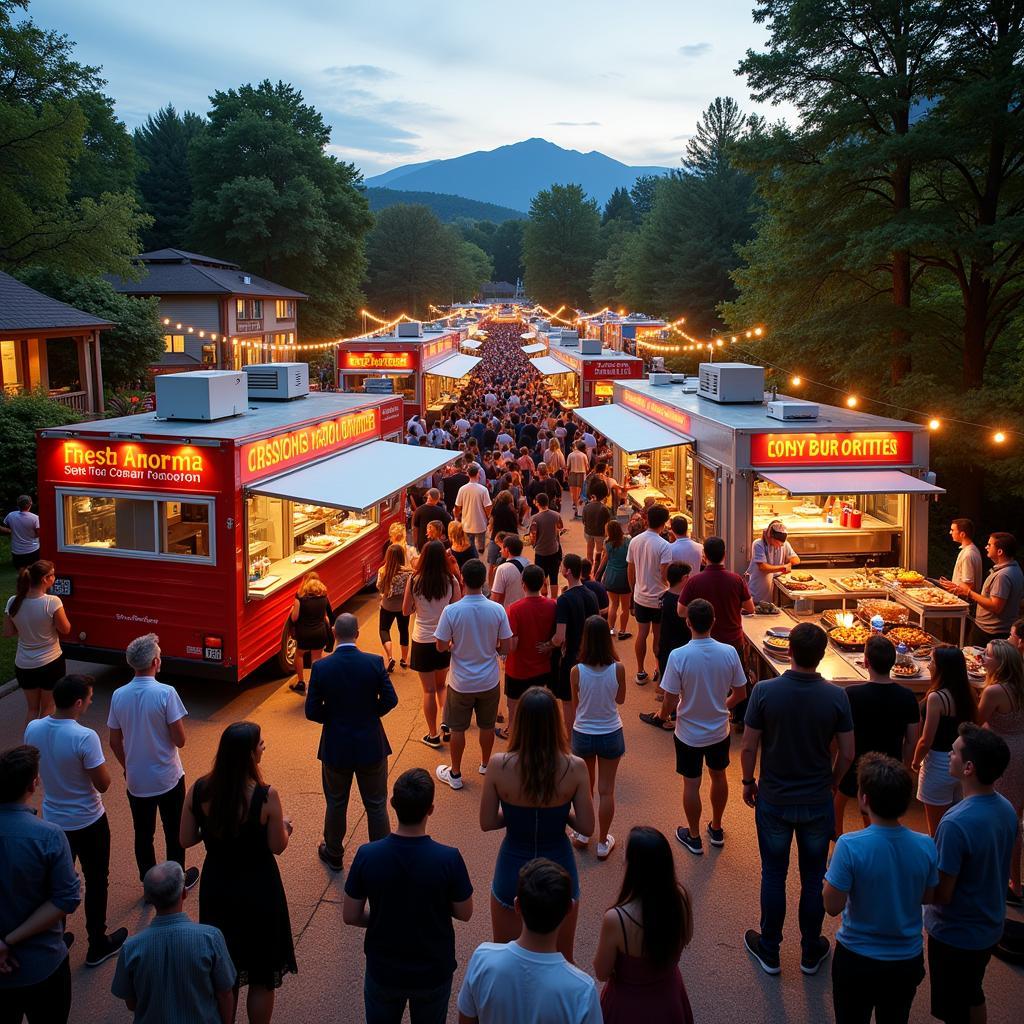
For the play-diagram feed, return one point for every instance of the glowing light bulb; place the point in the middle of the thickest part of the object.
(795, 381)
(999, 437)
(758, 332)
(167, 321)
(852, 401)
(933, 424)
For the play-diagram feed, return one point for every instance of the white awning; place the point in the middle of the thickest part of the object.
(454, 366)
(547, 366)
(474, 345)
(532, 350)
(628, 431)
(356, 479)
(529, 334)
(851, 481)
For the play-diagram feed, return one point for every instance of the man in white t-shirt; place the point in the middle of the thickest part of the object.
(476, 631)
(473, 506)
(462, 426)
(147, 729)
(590, 441)
(703, 681)
(416, 427)
(507, 586)
(528, 979)
(683, 548)
(74, 774)
(23, 526)
(647, 561)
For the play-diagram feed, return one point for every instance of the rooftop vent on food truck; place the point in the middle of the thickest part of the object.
(590, 346)
(791, 410)
(731, 382)
(660, 379)
(434, 328)
(569, 339)
(278, 380)
(410, 329)
(201, 395)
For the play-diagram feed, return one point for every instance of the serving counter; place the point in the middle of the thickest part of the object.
(837, 666)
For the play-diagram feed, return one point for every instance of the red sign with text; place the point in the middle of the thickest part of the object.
(667, 415)
(613, 369)
(128, 464)
(377, 361)
(304, 444)
(868, 448)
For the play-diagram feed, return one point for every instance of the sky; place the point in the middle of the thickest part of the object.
(402, 81)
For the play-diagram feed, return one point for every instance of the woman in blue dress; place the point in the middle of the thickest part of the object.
(534, 792)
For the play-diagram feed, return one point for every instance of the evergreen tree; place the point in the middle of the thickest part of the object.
(507, 250)
(560, 246)
(164, 177)
(642, 193)
(619, 207)
(268, 196)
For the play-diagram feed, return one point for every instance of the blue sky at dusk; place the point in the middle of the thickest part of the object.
(402, 81)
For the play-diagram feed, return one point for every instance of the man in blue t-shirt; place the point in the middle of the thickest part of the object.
(975, 841)
(877, 880)
(794, 720)
(414, 887)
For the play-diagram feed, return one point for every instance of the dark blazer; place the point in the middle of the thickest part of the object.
(349, 693)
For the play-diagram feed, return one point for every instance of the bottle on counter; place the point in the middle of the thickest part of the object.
(877, 625)
(904, 659)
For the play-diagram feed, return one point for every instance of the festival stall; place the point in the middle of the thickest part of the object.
(200, 529)
(581, 373)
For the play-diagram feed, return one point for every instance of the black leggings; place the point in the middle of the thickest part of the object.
(387, 620)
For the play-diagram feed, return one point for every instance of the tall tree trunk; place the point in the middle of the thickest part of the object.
(900, 362)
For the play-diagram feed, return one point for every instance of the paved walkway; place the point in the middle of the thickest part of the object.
(723, 982)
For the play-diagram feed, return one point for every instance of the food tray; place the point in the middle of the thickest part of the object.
(863, 635)
(779, 653)
(892, 612)
(858, 583)
(931, 597)
(975, 666)
(912, 636)
(799, 587)
(916, 674)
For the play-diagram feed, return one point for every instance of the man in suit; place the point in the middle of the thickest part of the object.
(349, 693)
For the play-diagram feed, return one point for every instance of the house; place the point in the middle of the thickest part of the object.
(214, 313)
(47, 344)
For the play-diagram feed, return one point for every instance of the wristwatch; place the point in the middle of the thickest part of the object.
(748, 782)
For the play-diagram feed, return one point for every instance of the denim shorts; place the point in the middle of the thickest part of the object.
(607, 745)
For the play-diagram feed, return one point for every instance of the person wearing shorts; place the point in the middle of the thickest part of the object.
(572, 609)
(475, 630)
(647, 561)
(545, 531)
(596, 516)
(703, 680)
(532, 620)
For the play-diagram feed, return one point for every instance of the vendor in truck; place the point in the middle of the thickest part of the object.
(773, 554)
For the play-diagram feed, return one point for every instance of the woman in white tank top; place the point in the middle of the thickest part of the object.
(598, 688)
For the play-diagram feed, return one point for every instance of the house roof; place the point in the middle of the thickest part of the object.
(24, 309)
(177, 272)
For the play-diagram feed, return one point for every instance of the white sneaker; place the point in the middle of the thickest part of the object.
(444, 773)
(482, 769)
(603, 849)
(579, 839)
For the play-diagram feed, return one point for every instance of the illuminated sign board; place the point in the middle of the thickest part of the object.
(378, 361)
(667, 415)
(439, 348)
(127, 463)
(612, 369)
(869, 448)
(274, 454)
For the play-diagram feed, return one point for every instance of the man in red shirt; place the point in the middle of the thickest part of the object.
(532, 619)
(728, 594)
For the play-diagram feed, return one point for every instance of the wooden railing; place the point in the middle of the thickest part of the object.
(77, 400)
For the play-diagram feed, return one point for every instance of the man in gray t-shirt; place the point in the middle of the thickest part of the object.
(997, 603)
(23, 526)
(545, 533)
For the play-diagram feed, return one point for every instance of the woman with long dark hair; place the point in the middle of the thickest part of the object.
(427, 591)
(533, 792)
(392, 577)
(504, 519)
(642, 937)
(243, 826)
(950, 700)
(611, 569)
(38, 620)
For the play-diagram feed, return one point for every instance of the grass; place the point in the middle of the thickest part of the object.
(8, 645)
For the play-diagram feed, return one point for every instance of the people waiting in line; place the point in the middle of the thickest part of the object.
(392, 578)
(311, 618)
(647, 561)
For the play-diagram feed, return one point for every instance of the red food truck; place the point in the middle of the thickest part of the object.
(424, 366)
(201, 530)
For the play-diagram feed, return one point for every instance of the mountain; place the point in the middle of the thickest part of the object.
(447, 208)
(512, 175)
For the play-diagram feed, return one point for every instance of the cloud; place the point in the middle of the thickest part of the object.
(692, 50)
(683, 137)
(575, 124)
(366, 72)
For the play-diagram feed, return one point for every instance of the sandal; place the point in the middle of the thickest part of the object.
(391, 666)
(655, 720)
(501, 734)
(403, 663)
(299, 687)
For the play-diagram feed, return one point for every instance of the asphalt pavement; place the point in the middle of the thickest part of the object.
(724, 984)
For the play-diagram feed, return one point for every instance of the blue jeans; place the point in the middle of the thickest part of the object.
(813, 825)
(386, 1005)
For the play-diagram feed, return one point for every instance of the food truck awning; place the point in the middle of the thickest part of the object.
(547, 366)
(632, 433)
(454, 366)
(852, 481)
(356, 479)
(473, 344)
(529, 334)
(534, 349)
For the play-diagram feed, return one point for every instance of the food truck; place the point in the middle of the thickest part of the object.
(424, 365)
(730, 458)
(581, 373)
(621, 334)
(200, 529)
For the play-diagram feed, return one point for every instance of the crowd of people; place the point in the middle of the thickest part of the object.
(482, 590)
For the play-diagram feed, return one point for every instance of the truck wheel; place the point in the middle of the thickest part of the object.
(286, 655)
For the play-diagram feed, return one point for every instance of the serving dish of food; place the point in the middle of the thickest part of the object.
(975, 664)
(807, 510)
(320, 542)
(891, 612)
(796, 586)
(909, 578)
(911, 636)
(905, 671)
(829, 618)
(850, 638)
(932, 597)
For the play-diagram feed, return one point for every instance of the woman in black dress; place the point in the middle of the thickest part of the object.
(243, 826)
(311, 613)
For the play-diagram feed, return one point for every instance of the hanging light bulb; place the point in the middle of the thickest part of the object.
(852, 401)
(795, 381)
(933, 424)
(999, 437)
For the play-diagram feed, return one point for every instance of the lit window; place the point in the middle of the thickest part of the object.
(240, 309)
(174, 342)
